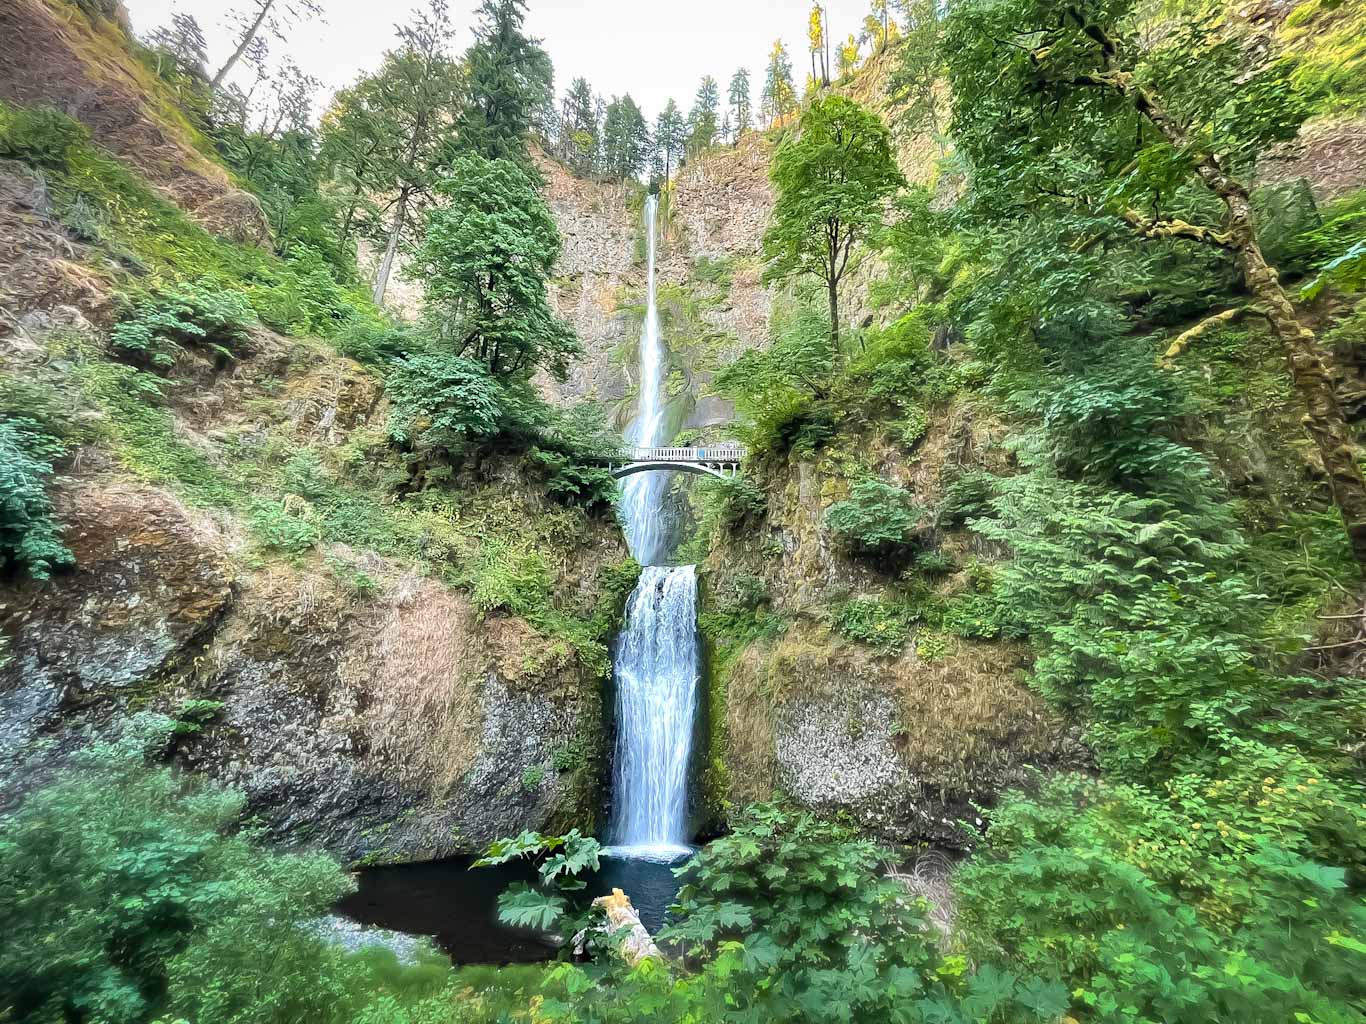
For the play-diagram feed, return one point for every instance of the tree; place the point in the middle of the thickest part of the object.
(183, 42)
(579, 127)
(259, 18)
(915, 82)
(670, 137)
(409, 105)
(1070, 104)
(848, 57)
(739, 102)
(833, 181)
(816, 40)
(879, 25)
(508, 79)
(779, 97)
(489, 249)
(625, 139)
(702, 119)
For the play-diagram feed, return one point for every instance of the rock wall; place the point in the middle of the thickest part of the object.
(389, 722)
(905, 743)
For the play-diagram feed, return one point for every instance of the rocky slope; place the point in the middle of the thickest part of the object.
(360, 703)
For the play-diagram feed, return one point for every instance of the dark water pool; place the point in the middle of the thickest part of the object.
(457, 904)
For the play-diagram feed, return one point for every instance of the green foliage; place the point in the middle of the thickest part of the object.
(163, 908)
(40, 136)
(203, 312)
(532, 777)
(283, 529)
(142, 434)
(878, 518)
(781, 389)
(193, 714)
(489, 250)
(714, 270)
(30, 539)
(832, 181)
(504, 576)
(881, 625)
(1079, 881)
(1325, 41)
(559, 860)
(507, 82)
(106, 204)
(442, 401)
(788, 918)
(569, 450)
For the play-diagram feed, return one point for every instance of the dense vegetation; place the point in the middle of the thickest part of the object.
(1093, 272)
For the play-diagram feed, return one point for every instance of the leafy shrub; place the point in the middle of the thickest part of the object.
(193, 714)
(975, 616)
(302, 296)
(568, 450)
(375, 342)
(783, 389)
(442, 401)
(559, 860)
(282, 529)
(914, 423)
(895, 364)
(504, 576)
(877, 518)
(785, 919)
(29, 536)
(162, 908)
(39, 136)
(718, 271)
(144, 436)
(1080, 882)
(532, 776)
(156, 326)
(933, 563)
(967, 494)
(882, 625)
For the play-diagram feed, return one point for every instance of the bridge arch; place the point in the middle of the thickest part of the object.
(698, 468)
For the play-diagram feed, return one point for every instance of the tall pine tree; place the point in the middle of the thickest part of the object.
(579, 128)
(625, 139)
(740, 102)
(702, 119)
(508, 80)
(780, 96)
(671, 133)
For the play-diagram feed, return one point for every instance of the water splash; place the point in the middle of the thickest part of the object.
(656, 681)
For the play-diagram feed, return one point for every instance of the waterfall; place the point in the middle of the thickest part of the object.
(643, 494)
(655, 663)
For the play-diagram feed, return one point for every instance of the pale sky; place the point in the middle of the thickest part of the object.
(652, 50)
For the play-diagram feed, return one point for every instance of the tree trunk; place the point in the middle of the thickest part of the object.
(832, 290)
(1308, 366)
(386, 265)
(1309, 369)
(242, 44)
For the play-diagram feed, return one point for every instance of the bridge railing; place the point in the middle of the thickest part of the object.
(699, 453)
(696, 453)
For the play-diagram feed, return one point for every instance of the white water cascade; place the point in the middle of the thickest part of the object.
(655, 664)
